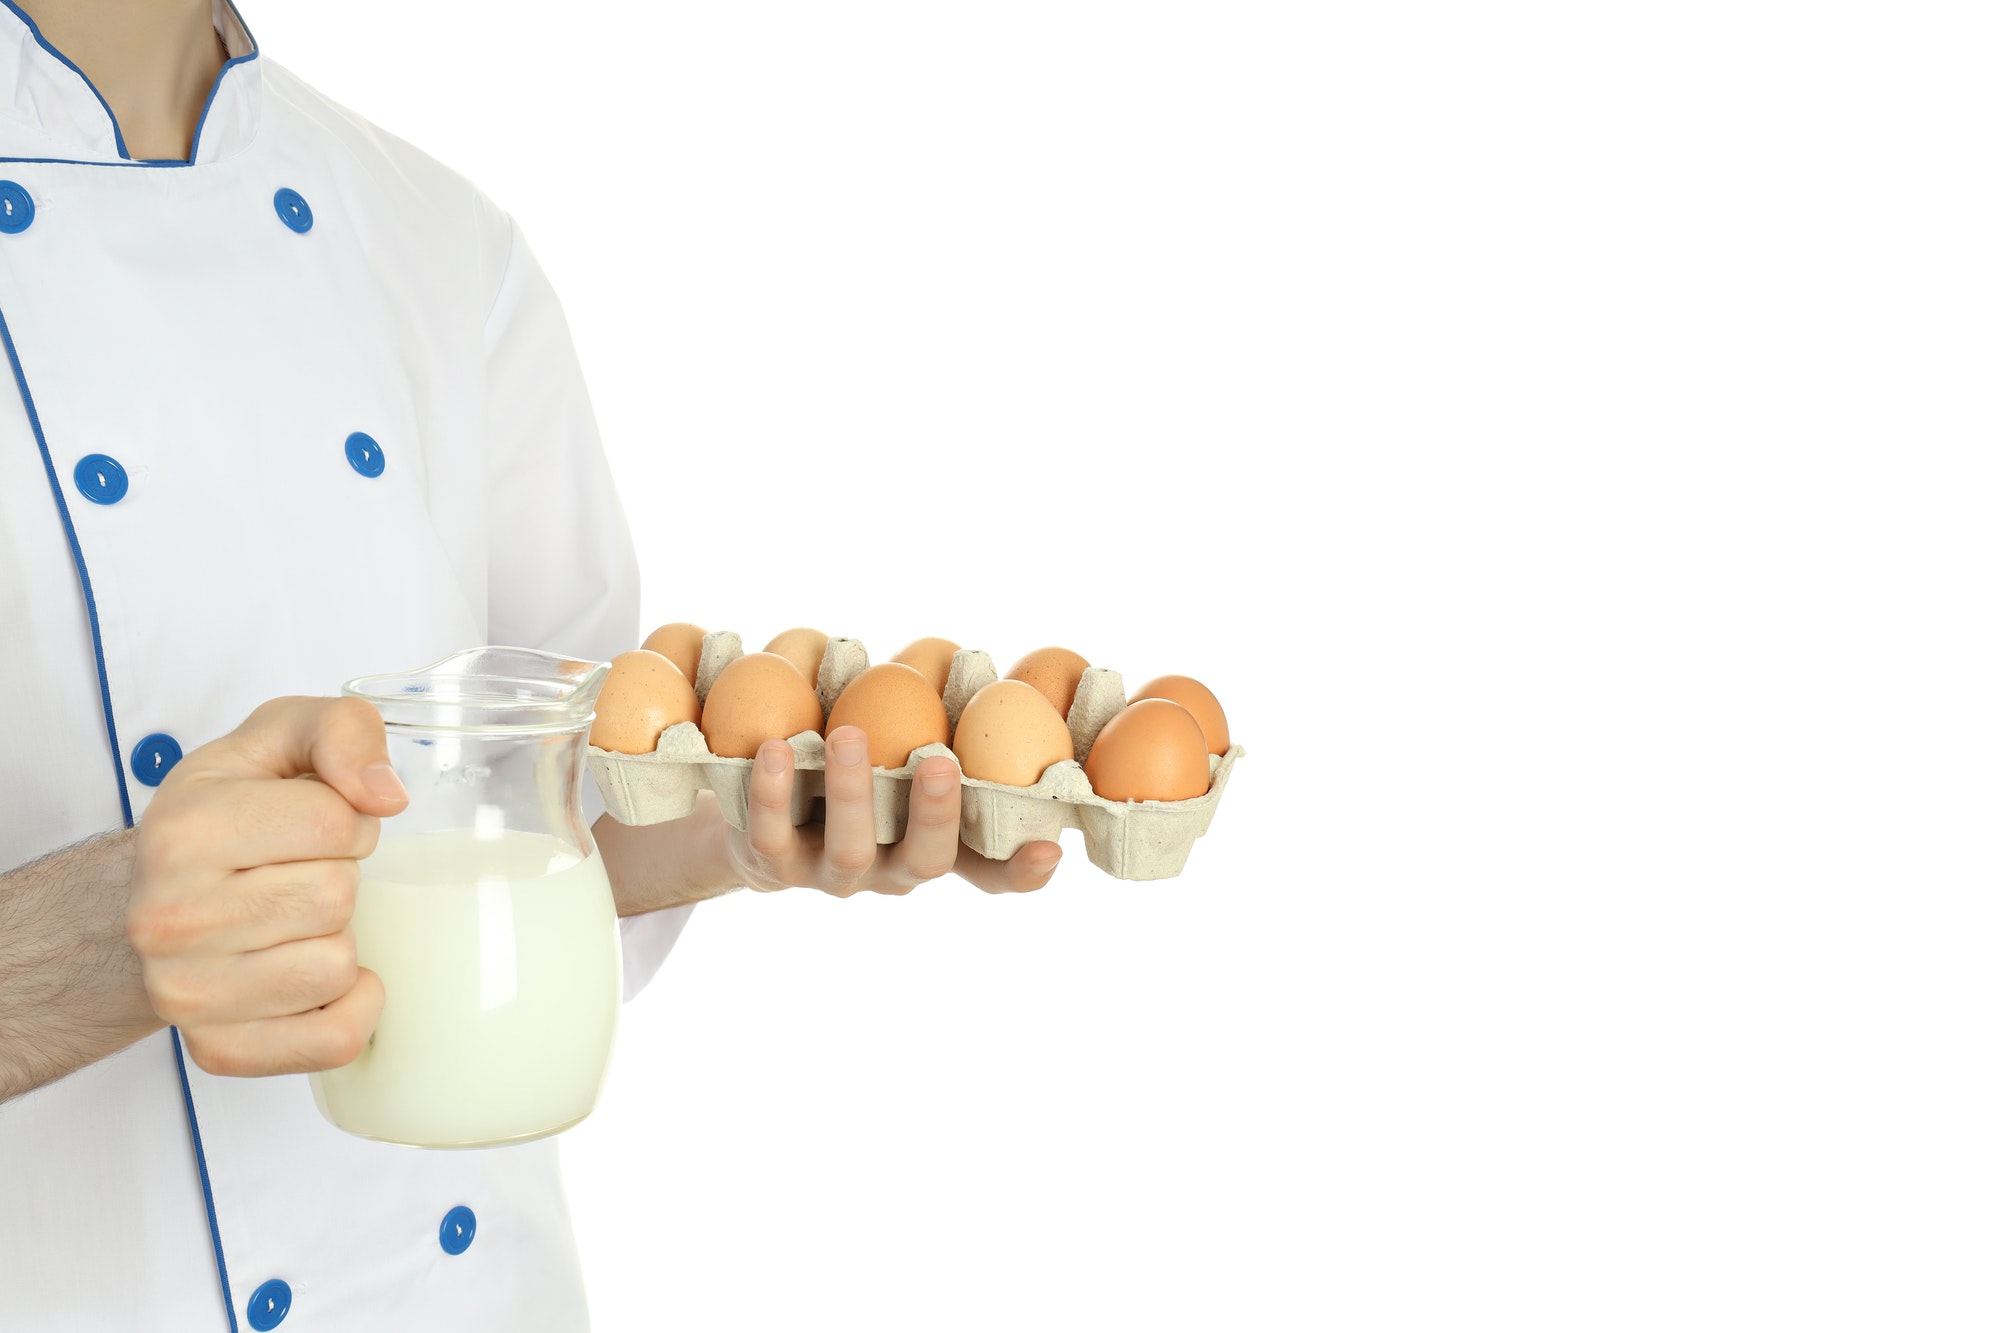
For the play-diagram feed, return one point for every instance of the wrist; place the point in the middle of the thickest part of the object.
(72, 990)
(655, 866)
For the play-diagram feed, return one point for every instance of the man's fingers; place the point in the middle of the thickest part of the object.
(341, 741)
(292, 978)
(1024, 872)
(843, 858)
(930, 843)
(769, 825)
(235, 824)
(249, 910)
(274, 904)
(850, 807)
(324, 1038)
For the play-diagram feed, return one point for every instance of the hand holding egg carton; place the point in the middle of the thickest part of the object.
(1053, 746)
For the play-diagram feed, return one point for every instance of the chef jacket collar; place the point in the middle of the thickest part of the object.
(49, 111)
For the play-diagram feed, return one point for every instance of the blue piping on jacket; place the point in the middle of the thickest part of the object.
(118, 765)
(207, 1194)
(49, 46)
(117, 133)
(194, 146)
(76, 558)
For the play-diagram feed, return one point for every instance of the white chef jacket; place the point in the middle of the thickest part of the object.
(299, 410)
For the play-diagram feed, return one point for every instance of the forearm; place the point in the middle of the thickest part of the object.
(666, 865)
(71, 992)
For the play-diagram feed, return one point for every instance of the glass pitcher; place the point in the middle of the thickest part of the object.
(485, 910)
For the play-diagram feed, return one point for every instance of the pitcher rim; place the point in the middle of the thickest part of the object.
(493, 689)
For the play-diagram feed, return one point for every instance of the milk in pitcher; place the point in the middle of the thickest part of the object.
(500, 964)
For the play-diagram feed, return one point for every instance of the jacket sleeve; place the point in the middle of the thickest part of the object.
(561, 574)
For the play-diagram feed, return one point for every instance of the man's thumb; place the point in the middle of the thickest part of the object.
(339, 741)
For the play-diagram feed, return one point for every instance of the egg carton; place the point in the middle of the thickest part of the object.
(1126, 839)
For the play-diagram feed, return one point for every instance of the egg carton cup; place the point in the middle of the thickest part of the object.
(654, 788)
(1127, 839)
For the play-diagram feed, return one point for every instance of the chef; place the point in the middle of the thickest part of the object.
(284, 402)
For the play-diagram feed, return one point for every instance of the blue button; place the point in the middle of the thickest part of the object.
(269, 1305)
(101, 479)
(17, 208)
(365, 454)
(455, 1232)
(154, 757)
(293, 210)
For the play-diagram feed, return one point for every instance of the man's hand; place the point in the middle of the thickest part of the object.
(701, 856)
(244, 888)
(843, 859)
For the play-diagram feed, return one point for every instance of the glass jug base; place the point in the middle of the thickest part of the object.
(483, 1143)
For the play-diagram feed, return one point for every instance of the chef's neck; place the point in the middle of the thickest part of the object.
(155, 62)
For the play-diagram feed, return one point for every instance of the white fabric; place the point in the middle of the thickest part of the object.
(167, 318)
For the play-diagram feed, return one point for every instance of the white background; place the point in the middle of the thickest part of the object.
(1563, 435)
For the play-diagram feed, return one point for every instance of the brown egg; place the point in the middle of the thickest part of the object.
(1010, 733)
(679, 643)
(756, 698)
(1053, 671)
(1149, 751)
(931, 658)
(643, 695)
(895, 705)
(1194, 696)
(803, 648)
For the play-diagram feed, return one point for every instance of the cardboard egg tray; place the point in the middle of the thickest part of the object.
(1127, 839)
